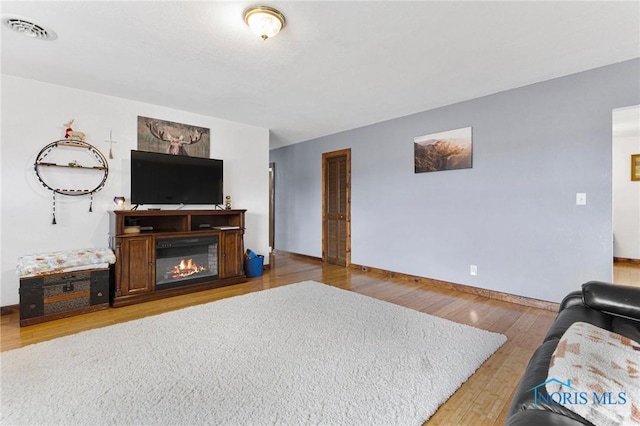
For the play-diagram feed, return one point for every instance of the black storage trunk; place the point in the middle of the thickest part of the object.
(53, 296)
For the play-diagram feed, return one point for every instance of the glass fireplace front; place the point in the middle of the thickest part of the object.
(185, 261)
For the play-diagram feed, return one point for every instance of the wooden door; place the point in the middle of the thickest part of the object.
(231, 251)
(336, 207)
(272, 205)
(137, 274)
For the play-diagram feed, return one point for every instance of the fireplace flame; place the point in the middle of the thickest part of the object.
(186, 268)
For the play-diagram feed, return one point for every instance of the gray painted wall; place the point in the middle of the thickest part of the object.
(514, 214)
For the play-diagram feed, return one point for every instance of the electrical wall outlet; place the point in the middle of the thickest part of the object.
(473, 270)
(581, 199)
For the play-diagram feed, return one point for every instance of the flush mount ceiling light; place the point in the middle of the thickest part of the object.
(28, 28)
(265, 21)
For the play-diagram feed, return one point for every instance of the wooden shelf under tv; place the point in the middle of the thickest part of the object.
(134, 277)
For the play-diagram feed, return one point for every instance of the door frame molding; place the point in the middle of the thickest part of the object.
(325, 157)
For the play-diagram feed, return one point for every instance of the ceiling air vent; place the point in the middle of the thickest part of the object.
(28, 28)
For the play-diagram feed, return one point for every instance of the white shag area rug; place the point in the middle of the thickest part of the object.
(305, 353)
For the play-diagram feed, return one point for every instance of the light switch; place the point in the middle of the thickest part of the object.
(581, 199)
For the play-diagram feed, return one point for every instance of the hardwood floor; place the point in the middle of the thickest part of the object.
(483, 400)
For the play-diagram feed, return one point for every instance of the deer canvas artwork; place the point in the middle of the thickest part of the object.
(172, 138)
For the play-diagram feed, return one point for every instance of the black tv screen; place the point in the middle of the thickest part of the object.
(174, 179)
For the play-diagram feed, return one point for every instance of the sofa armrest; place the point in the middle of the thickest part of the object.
(572, 299)
(613, 299)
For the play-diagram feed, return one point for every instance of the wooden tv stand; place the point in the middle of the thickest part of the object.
(135, 268)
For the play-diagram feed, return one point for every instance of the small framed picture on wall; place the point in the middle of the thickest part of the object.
(635, 167)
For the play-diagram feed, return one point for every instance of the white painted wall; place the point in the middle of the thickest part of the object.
(626, 193)
(32, 116)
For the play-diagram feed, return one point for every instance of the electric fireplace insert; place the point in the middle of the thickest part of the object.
(186, 260)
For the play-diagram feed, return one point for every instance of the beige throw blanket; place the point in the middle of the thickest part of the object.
(596, 374)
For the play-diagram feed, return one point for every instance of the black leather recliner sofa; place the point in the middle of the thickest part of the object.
(609, 306)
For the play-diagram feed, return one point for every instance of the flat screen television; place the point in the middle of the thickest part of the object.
(175, 179)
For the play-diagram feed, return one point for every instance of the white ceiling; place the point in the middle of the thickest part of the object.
(336, 66)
